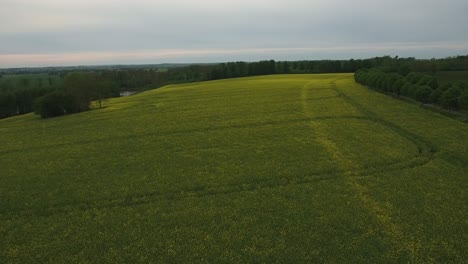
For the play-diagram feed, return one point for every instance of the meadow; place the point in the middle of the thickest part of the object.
(283, 168)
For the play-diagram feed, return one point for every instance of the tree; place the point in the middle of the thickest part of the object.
(24, 100)
(450, 97)
(396, 88)
(406, 89)
(102, 90)
(428, 80)
(414, 77)
(412, 91)
(404, 70)
(423, 93)
(463, 100)
(7, 104)
(25, 82)
(284, 68)
(436, 95)
(55, 104)
(80, 86)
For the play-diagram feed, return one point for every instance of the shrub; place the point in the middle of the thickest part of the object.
(55, 104)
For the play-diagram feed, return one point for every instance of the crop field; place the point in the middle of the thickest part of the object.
(283, 168)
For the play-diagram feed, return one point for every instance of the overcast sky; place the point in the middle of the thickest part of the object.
(89, 32)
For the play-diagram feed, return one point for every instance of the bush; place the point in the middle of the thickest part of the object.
(55, 104)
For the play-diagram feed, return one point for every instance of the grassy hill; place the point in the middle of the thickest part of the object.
(286, 168)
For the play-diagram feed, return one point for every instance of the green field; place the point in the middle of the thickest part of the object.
(285, 168)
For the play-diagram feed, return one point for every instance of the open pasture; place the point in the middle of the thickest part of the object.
(285, 168)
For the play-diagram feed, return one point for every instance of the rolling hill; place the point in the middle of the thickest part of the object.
(284, 168)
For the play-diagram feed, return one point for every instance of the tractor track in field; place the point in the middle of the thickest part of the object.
(179, 132)
(150, 197)
(424, 146)
(426, 150)
(405, 248)
(203, 191)
(423, 157)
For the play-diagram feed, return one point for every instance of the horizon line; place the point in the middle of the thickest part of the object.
(207, 56)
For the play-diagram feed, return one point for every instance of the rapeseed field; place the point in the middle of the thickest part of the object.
(283, 168)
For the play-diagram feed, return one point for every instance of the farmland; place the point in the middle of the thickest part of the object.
(284, 168)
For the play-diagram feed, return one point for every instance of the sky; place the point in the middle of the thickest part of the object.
(95, 32)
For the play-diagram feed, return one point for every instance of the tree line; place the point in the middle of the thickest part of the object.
(17, 95)
(74, 91)
(79, 90)
(421, 87)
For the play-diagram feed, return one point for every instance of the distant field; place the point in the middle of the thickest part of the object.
(284, 168)
(452, 76)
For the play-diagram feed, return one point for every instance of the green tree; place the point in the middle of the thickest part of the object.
(414, 77)
(55, 104)
(450, 97)
(404, 70)
(428, 80)
(80, 86)
(463, 100)
(103, 90)
(7, 104)
(423, 93)
(396, 88)
(406, 89)
(25, 81)
(436, 95)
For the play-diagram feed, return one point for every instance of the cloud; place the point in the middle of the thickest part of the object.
(219, 55)
(61, 27)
